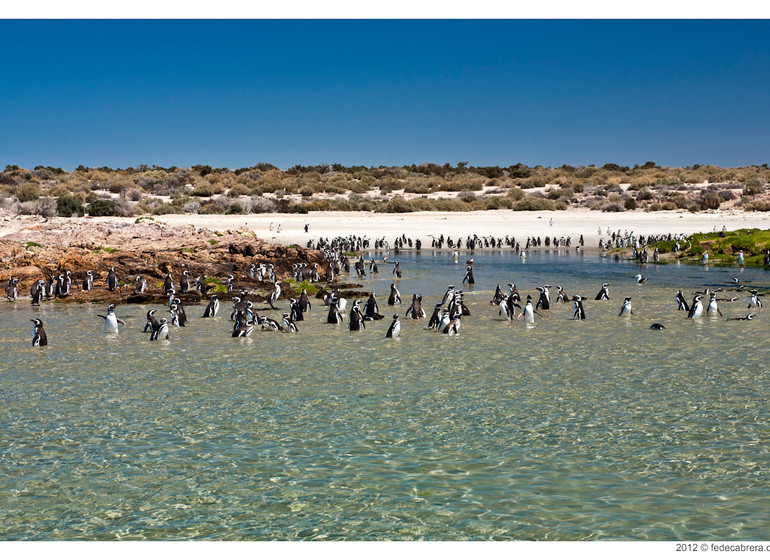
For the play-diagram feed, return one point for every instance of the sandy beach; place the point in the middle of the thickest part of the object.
(491, 222)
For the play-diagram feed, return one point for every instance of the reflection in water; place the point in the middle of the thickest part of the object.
(568, 429)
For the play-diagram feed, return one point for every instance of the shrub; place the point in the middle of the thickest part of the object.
(103, 207)
(295, 208)
(654, 207)
(709, 201)
(612, 207)
(45, 206)
(307, 191)
(261, 205)
(211, 208)
(68, 205)
(726, 195)
(398, 204)
(753, 186)
(630, 204)
(645, 194)
(28, 192)
(668, 205)
(239, 190)
(192, 207)
(533, 203)
(556, 194)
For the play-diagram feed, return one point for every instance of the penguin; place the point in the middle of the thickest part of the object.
(243, 329)
(579, 313)
(741, 261)
(50, 291)
(12, 289)
(66, 283)
(356, 322)
(304, 301)
(529, 311)
(445, 319)
(415, 310)
(160, 331)
(232, 285)
(561, 296)
(696, 309)
(88, 281)
(395, 328)
(111, 321)
(641, 279)
(397, 269)
(748, 317)
(140, 285)
(274, 295)
(754, 301)
(435, 319)
(712, 308)
(37, 291)
(112, 279)
(270, 324)
(295, 310)
(39, 338)
(681, 303)
(212, 308)
(469, 275)
(505, 309)
(200, 284)
(448, 295)
(371, 309)
(334, 316)
(513, 292)
(657, 327)
(181, 315)
(604, 293)
(290, 326)
(626, 309)
(373, 269)
(395, 296)
(152, 322)
(544, 301)
(705, 259)
(453, 327)
(184, 282)
(499, 296)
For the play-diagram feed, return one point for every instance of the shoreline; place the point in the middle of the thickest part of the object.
(498, 223)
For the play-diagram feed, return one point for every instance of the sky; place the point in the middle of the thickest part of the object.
(234, 93)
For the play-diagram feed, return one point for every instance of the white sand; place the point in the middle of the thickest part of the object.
(492, 222)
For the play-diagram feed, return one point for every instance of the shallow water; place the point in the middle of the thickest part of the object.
(564, 430)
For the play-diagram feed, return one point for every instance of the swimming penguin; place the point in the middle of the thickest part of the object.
(657, 327)
(395, 296)
(270, 324)
(395, 328)
(274, 295)
(160, 330)
(748, 317)
(356, 322)
(626, 309)
(212, 308)
(544, 301)
(579, 313)
(754, 301)
(88, 281)
(184, 282)
(39, 337)
(641, 279)
(288, 323)
(397, 269)
(435, 319)
(681, 303)
(111, 321)
(604, 293)
(696, 309)
(415, 310)
(112, 279)
(469, 275)
(712, 308)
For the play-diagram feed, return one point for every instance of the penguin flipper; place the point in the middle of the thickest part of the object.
(121, 322)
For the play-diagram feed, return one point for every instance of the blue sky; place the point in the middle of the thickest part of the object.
(391, 92)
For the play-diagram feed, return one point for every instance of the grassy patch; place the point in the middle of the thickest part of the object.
(723, 247)
(29, 244)
(304, 285)
(141, 219)
(188, 250)
(213, 241)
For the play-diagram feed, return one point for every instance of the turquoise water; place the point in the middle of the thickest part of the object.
(563, 430)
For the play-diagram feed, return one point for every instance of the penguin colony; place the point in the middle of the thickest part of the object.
(446, 316)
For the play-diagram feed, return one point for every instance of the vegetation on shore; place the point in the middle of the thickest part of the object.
(145, 190)
(723, 247)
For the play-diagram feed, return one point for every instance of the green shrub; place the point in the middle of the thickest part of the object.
(556, 194)
(753, 187)
(103, 207)
(398, 204)
(68, 205)
(306, 191)
(28, 192)
(645, 194)
(533, 203)
(211, 208)
(515, 193)
(630, 204)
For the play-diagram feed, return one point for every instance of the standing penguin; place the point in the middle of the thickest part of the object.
(168, 284)
(141, 285)
(395, 328)
(453, 327)
(37, 291)
(681, 303)
(712, 308)
(754, 301)
(184, 282)
(334, 316)
(604, 293)
(372, 310)
(741, 261)
(395, 296)
(626, 309)
(289, 324)
(469, 275)
(88, 281)
(529, 311)
(111, 321)
(160, 330)
(696, 309)
(415, 310)
(435, 319)
(212, 308)
(356, 322)
(544, 301)
(12, 289)
(397, 269)
(579, 312)
(112, 279)
(39, 337)
(274, 295)
(304, 301)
